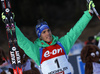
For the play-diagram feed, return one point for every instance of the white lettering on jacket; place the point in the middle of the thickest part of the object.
(53, 52)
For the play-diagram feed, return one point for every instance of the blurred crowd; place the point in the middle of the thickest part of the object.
(78, 46)
(27, 64)
(95, 40)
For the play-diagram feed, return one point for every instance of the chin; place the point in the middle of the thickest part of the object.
(48, 40)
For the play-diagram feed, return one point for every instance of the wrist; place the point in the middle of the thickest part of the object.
(91, 13)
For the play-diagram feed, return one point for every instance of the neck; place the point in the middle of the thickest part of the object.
(49, 42)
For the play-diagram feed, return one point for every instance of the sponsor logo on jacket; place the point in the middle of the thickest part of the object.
(53, 52)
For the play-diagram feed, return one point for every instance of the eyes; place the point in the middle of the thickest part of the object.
(46, 31)
(93, 54)
(97, 53)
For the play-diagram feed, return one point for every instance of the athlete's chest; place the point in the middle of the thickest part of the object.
(52, 52)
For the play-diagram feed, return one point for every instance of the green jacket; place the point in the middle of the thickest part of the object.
(68, 40)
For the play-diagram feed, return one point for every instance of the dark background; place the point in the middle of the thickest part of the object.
(61, 15)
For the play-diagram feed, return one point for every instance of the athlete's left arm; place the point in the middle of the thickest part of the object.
(69, 39)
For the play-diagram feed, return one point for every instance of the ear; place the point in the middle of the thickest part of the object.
(84, 53)
(88, 68)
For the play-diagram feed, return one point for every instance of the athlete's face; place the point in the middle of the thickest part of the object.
(46, 35)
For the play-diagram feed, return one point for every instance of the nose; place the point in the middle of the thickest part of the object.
(47, 32)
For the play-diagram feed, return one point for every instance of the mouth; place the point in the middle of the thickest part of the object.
(49, 37)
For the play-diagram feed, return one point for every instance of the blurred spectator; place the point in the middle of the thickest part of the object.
(28, 66)
(4, 62)
(90, 55)
(91, 40)
(97, 38)
(76, 48)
